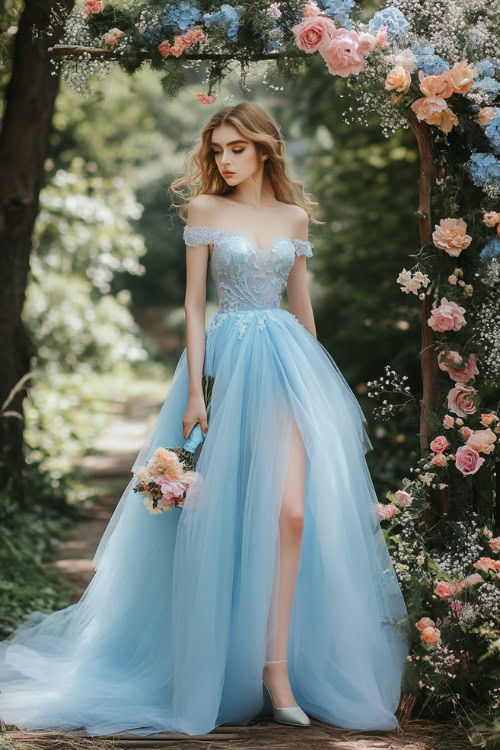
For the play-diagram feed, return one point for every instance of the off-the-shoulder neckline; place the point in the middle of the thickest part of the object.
(247, 237)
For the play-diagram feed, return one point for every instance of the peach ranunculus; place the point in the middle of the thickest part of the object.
(398, 78)
(462, 76)
(430, 636)
(439, 444)
(460, 400)
(434, 110)
(488, 419)
(440, 85)
(485, 114)
(424, 622)
(485, 564)
(112, 36)
(483, 441)
(468, 461)
(341, 53)
(448, 316)
(458, 374)
(439, 459)
(312, 32)
(451, 236)
(443, 589)
(448, 421)
(206, 98)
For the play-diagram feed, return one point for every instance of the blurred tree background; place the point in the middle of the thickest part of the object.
(106, 289)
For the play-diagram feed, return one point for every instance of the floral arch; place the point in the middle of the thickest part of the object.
(433, 66)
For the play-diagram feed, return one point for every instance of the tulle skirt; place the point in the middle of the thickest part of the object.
(173, 630)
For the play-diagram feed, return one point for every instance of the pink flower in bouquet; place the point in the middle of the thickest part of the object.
(112, 36)
(398, 78)
(92, 6)
(447, 317)
(193, 35)
(459, 374)
(456, 606)
(460, 400)
(171, 489)
(312, 32)
(461, 76)
(468, 461)
(439, 444)
(440, 86)
(406, 59)
(491, 218)
(495, 544)
(311, 9)
(430, 636)
(206, 98)
(385, 510)
(466, 432)
(488, 419)
(443, 589)
(403, 498)
(341, 53)
(424, 622)
(448, 421)
(381, 39)
(451, 236)
(483, 441)
(434, 110)
(485, 564)
(473, 579)
(439, 459)
(366, 43)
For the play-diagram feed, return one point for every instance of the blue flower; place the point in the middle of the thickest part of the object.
(432, 65)
(391, 19)
(272, 46)
(492, 131)
(489, 86)
(153, 35)
(484, 68)
(338, 11)
(491, 250)
(226, 15)
(180, 17)
(483, 167)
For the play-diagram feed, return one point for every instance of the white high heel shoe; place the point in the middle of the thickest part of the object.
(286, 714)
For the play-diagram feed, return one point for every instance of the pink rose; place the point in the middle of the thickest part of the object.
(92, 6)
(448, 422)
(385, 510)
(430, 636)
(439, 444)
(468, 460)
(206, 98)
(439, 460)
(459, 374)
(341, 53)
(485, 564)
(466, 433)
(443, 589)
(451, 236)
(488, 419)
(460, 400)
(456, 606)
(381, 39)
(403, 498)
(112, 36)
(447, 317)
(434, 110)
(366, 43)
(312, 32)
(473, 579)
(495, 544)
(424, 622)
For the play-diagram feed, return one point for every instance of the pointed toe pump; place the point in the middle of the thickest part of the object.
(286, 714)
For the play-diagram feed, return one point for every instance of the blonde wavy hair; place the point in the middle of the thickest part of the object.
(201, 174)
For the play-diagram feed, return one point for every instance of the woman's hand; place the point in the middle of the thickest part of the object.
(195, 412)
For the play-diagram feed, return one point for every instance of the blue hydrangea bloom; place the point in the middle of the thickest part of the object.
(181, 16)
(492, 131)
(491, 250)
(226, 15)
(489, 86)
(272, 46)
(391, 19)
(483, 167)
(338, 11)
(153, 35)
(432, 65)
(484, 68)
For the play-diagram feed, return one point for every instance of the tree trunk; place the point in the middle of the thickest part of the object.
(24, 141)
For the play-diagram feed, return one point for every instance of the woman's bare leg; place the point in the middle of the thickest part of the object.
(291, 523)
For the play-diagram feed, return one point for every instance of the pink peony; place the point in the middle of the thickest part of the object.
(439, 444)
(312, 32)
(342, 54)
(451, 236)
(443, 589)
(459, 374)
(468, 461)
(447, 317)
(460, 401)
(403, 498)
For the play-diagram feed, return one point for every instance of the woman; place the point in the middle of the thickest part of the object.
(274, 580)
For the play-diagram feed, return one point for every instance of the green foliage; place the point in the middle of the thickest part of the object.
(174, 80)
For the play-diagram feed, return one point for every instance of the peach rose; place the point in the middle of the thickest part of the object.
(424, 622)
(430, 636)
(448, 421)
(381, 39)
(341, 53)
(495, 544)
(443, 589)
(491, 218)
(485, 564)
(439, 460)
(440, 85)
(447, 317)
(312, 32)
(458, 374)
(483, 441)
(485, 114)
(434, 110)
(461, 76)
(398, 78)
(451, 236)
(460, 400)
(488, 419)
(468, 460)
(112, 36)
(439, 444)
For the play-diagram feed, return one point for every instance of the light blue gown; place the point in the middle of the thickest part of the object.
(173, 630)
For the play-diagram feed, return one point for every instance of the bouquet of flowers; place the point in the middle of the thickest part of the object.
(171, 472)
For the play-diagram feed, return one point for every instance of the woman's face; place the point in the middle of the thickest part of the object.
(236, 157)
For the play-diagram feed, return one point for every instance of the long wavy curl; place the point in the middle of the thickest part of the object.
(201, 174)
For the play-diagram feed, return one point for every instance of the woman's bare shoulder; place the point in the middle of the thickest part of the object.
(200, 208)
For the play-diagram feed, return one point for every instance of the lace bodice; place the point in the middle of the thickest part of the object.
(246, 277)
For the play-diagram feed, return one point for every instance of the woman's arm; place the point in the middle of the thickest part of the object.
(194, 308)
(299, 302)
